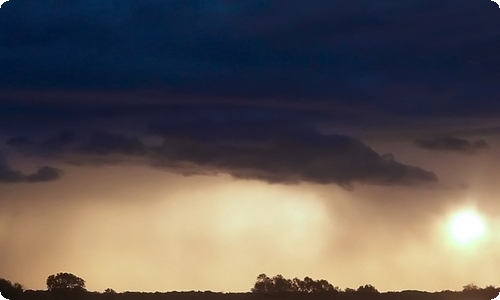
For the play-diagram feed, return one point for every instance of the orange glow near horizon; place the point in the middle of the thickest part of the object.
(216, 233)
(244, 227)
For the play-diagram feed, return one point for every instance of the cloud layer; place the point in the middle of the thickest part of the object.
(43, 174)
(280, 155)
(450, 143)
(243, 149)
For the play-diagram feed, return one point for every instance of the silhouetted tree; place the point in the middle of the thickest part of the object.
(279, 284)
(65, 281)
(109, 291)
(490, 292)
(9, 290)
(324, 286)
(367, 290)
(264, 284)
(298, 285)
(308, 285)
(66, 286)
(470, 287)
(260, 284)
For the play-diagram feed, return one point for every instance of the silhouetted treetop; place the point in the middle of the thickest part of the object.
(279, 284)
(471, 287)
(9, 290)
(367, 289)
(65, 281)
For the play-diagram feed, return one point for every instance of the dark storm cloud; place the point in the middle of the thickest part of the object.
(99, 143)
(43, 174)
(449, 143)
(416, 57)
(340, 160)
(49, 146)
(264, 144)
(278, 154)
(104, 143)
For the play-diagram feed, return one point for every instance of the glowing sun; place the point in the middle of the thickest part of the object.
(467, 226)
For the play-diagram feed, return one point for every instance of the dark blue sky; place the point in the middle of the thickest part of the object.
(353, 53)
(241, 80)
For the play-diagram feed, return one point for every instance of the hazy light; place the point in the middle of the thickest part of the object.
(467, 226)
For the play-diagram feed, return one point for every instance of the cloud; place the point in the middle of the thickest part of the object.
(280, 155)
(450, 143)
(272, 146)
(86, 148)
(103, 143)
(43, 174)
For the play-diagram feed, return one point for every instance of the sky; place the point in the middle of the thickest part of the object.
(193, 145)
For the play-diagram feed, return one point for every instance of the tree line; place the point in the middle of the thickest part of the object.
(62, 286)
(279, 284)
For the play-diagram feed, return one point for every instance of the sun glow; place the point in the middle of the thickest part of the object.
(467, 226)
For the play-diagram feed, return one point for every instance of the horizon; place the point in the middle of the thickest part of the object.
(470, 287)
